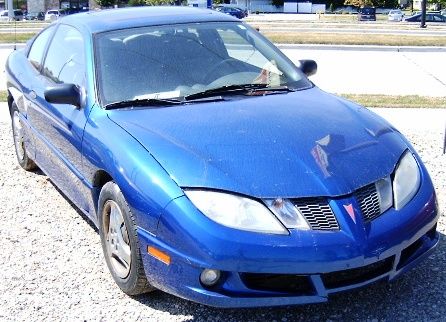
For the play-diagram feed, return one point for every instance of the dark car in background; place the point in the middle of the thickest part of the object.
(430, 17)
(35, 16)
(17, 15)
(367, 14)
(232, 11)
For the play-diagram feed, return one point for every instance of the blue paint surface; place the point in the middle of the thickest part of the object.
(291, 145)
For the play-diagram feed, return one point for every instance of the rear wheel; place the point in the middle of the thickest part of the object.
(120, 244)
(19, 141)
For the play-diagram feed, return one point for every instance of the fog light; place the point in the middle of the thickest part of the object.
(210, 277)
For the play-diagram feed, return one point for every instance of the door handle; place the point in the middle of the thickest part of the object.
(33, 95)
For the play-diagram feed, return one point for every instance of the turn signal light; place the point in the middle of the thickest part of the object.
(161, 256)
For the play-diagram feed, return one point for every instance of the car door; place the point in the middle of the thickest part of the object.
(59, 127)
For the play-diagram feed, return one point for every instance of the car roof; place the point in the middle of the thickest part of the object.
(113, 19)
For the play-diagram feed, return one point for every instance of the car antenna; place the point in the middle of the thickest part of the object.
(15, 33)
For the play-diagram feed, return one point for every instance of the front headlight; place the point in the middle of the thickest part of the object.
(406, 180)
(287, 212)
(236, 212)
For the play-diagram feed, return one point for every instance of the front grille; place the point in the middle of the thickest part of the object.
(284, 283)
(357, 275)
(318, 213)
(368, 200)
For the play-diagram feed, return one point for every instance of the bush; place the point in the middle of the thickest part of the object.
(158, 2)
(136, 3)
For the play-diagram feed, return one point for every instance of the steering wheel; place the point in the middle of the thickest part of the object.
(208, 78)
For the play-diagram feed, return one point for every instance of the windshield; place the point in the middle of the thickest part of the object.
(368, 11)
(163, 62)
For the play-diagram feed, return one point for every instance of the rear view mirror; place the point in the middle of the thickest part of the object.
(308, 66)
(64, 94)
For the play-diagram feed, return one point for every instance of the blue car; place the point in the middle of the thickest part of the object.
(212, 167)
(232, 11)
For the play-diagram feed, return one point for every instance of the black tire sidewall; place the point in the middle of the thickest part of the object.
(111, 191)
(26, 163)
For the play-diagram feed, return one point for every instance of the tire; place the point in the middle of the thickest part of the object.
(117, 229)
(19, 140)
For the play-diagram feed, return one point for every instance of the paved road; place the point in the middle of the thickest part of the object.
(375, 72)
(362, 72)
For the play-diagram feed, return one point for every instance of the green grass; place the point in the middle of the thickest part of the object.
(373, 100)
(3, 96)
(392, 101)
(353, 39)
(9, 38)
(310, 38)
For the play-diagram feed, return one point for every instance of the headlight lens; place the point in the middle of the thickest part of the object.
(236, 212)
(384, 189)
(288, 214)
(406, 181)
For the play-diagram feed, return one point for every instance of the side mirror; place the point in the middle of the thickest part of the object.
(64, 94)
(308, 67)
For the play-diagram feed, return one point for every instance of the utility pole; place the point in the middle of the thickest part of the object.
(423, 14)
(10, 10)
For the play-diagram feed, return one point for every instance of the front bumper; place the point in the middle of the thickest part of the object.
(304, 267)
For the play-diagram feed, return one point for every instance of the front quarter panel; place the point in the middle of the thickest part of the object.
(144, 183)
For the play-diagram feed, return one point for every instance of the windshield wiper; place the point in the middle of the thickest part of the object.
(234, 89)
(144, 102)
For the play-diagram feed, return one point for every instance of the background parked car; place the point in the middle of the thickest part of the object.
(367, 14)
(18, 15)
(395, 15)
(54, 14)
(430, 17)
(232, 11)
(35, 16)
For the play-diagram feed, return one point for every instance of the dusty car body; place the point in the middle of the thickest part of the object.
(212, 167)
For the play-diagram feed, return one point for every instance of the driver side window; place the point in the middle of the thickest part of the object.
(65, 60)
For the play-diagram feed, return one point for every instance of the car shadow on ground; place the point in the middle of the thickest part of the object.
(415, 295)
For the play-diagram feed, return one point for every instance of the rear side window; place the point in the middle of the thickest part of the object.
(65, 60)
(37, 50)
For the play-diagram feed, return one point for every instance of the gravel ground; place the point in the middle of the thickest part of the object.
(53, 267)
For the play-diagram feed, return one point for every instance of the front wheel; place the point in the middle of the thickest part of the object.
(117, 229)
(19, 141)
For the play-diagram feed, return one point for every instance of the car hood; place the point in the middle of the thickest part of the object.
(300, 144)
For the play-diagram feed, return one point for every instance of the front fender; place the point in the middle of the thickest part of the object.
(145, 185)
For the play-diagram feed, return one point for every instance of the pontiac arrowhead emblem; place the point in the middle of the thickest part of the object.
(351, 212)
